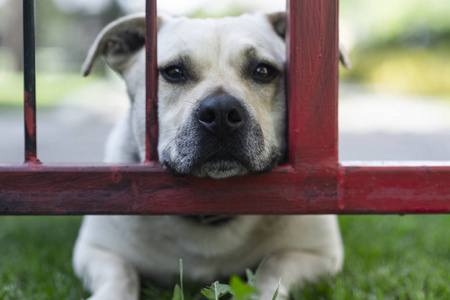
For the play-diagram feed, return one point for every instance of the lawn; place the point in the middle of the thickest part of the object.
(387, 257)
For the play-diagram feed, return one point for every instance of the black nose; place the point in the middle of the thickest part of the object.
(221, 115)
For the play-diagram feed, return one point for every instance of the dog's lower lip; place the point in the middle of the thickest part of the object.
(222, 157)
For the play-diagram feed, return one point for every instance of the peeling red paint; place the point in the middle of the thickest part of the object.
(30, 115)
(30, 129)
(116, 176)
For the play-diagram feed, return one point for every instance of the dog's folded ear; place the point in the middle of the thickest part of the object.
(344, 58)
(117, 43)
(279, 20)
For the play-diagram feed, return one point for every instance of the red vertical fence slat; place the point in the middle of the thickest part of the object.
(312, 92)
(29, 82)
(313, 82)
(151, 83)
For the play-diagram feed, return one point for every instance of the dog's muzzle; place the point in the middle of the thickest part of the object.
(222, 124)
(220, 139)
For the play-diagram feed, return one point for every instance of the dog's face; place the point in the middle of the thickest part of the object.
(221, 90)
(221, 96)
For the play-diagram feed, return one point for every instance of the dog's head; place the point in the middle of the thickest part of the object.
(221, 90)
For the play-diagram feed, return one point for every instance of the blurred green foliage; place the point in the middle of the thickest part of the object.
(417, 71)
(50, 87)
(418, 22)
(402, 45)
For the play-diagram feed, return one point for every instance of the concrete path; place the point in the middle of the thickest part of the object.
(74, 131)
(387, 126)
(373, 126)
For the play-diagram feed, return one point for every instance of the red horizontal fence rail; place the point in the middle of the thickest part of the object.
(149, 190)
(313, 182)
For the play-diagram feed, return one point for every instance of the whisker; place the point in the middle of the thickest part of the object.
(168, 130)
(169, 144)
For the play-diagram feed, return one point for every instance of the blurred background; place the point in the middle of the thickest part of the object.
(394, 103)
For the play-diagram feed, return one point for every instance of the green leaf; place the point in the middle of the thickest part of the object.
(208, 293)
(258, 270)
(250, 277)
(216, 291)
(181, 279)
(240, 290)
(177, 293)
(276, 291)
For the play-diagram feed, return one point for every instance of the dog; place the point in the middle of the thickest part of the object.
(222, 113)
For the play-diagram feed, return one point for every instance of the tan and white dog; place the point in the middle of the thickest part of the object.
(221, 113)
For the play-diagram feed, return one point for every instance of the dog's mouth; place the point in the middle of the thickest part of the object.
(220, 169)
(219, 164)
(225, 160)
(221, 161)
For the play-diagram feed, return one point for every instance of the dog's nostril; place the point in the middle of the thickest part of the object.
(234, 116)
(207, 116)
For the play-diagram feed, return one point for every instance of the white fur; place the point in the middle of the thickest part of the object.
(113, 252)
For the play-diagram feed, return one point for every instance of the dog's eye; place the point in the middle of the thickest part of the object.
(264, 73)
(174, 74)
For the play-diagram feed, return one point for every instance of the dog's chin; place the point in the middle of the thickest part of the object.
(216, 169)
(220, 169)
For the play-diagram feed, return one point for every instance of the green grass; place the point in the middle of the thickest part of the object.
(387, 257)
(50, 87)
(35, 258)
(391, 257)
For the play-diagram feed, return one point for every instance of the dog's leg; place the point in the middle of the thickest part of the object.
(295, 268)
(106, 274)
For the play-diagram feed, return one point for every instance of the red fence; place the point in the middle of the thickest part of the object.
(313, 182)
